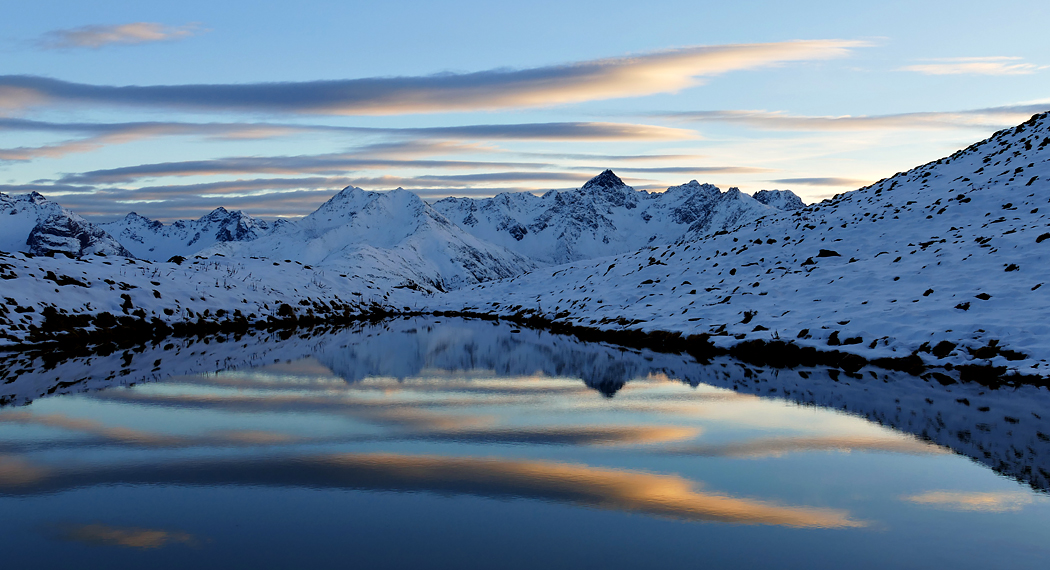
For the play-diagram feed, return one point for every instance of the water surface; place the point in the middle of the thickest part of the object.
(451, 443)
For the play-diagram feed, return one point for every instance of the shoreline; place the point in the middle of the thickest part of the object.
(71, 335)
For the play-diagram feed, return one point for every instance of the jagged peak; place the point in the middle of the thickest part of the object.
(780, 199)
(607, 179)
(693, 186)
(135, 216)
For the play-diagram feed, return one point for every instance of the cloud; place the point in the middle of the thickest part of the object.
(976, 66)
(92, 195)
(266, 197)
(991, 117)
(575, 131)
(94, 37)
(338, 163)
(689, 169)
(127, 537)
(827, 181)
(990, 502)
(613, 157)
(103, 134)
(631, 76)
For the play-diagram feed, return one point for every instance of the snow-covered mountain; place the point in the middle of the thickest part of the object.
(150, 239)
(951, 259)
(33, 224)
(392, 239)
(779, 199)
(605, 217)
(948, 260)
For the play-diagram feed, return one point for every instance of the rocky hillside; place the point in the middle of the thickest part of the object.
(34, 224)
(950, 260)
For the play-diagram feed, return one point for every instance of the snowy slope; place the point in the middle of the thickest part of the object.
(34, 224)
(957, 250)
(150, 239)
(391, 237)
(213, 290)
(604, 217)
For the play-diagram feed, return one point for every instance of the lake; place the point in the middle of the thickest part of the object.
(447, 443)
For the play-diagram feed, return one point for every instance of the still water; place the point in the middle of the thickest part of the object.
(437, 443)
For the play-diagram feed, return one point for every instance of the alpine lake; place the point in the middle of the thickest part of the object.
(450, 443)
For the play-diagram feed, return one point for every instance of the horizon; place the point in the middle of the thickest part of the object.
(113, 109)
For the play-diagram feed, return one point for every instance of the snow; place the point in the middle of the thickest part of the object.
(948, 259)
(779, 199)
(213, 290)
(604, 217)
(34, 224)
(393, 237)
(152, 240)
(915, 255)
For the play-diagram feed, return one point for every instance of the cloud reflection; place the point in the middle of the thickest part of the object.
(144, 438)
(669, 496)
(778, 446)
(989, 502)
(16, 471)
(128, 537)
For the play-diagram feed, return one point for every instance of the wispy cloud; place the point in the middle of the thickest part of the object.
(991, 117)
(94, 37)
(826, 181)
(631, 76)
(688, 169)
(104, 134)
(780, 446)
(575, 131)
(976, 66)
(651, 494)
(339, 163)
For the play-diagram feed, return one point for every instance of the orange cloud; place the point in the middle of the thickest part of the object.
(659, 495)
(632, 76)
(669, 496)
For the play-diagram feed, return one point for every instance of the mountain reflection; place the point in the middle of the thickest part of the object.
(452, 382)
(614, 489)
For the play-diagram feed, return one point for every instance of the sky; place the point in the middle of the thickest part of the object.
(171, 110)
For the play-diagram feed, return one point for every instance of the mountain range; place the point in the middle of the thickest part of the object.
(948, 262)
(398, 239)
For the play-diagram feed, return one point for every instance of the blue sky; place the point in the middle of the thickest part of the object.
(172, 110)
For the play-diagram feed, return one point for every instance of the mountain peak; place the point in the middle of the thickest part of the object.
(606, 179)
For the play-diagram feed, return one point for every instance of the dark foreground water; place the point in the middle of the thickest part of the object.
(460, 444)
